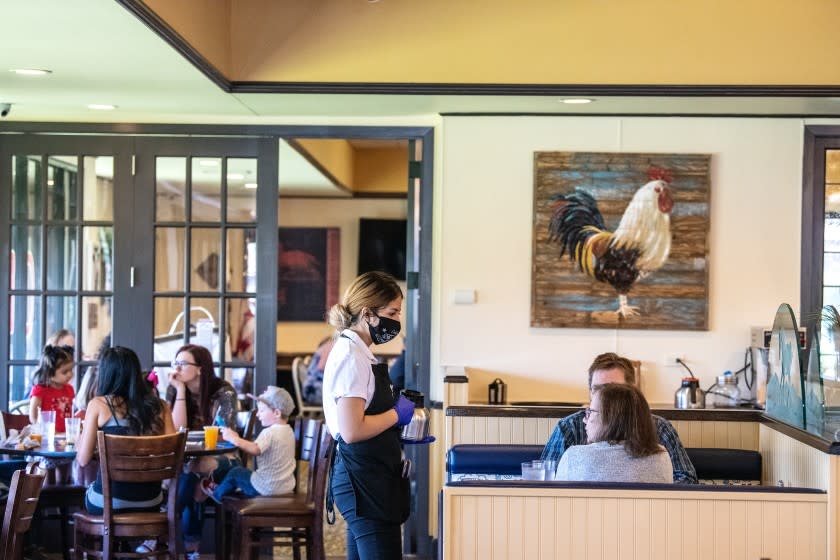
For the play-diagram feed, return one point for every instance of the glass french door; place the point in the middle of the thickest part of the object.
(151, 241)
(196, 225)
(59, 221)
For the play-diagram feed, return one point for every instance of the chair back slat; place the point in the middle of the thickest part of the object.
(318, 482)
(21, 504)
(138, 459)
(309, 449)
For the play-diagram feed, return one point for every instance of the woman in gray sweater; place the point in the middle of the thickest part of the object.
(623, 446)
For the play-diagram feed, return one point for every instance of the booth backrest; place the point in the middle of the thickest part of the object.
(503, 462)
(725, 464)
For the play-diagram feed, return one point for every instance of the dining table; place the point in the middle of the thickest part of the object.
(62, 468)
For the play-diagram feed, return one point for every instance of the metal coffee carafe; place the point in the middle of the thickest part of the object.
(690, 395)
(497, 392)
(418, 428)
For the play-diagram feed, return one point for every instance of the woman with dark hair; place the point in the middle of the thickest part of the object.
(126, 406)
(623, 445)
(197, 398)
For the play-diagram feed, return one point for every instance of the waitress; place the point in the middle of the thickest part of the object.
(363, 416)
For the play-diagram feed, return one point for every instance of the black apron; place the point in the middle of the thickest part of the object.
(374, 466)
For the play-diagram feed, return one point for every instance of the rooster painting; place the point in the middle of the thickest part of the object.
(639, 245)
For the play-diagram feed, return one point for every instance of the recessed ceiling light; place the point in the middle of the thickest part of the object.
(208, 162)
(102, 106)
(576, 101)
(31, 71)
(235, 176)
(250, 185)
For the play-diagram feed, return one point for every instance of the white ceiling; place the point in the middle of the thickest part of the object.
(100, 53)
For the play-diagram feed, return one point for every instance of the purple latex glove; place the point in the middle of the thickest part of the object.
(405, 410)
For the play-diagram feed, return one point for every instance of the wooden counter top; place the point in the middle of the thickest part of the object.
(663, 410)
(559, 411)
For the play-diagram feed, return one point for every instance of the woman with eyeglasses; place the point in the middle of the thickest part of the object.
(198, 398)
(623, 445)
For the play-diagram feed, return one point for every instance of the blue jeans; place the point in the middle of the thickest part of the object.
(367, 539)
(192, 512)
(237, 477)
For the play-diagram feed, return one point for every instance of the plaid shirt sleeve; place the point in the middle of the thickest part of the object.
(568, 431)
(684, 472)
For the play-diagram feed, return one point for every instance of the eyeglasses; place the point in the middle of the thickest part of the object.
(587, 412)
(181, 363)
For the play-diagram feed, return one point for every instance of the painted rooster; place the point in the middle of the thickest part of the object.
(639, 246)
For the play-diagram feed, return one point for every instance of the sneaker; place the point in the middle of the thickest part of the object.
(194, 555)
(208, 487)
(148, 546)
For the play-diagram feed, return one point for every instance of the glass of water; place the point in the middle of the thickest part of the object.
(550, 468)
(533, 470)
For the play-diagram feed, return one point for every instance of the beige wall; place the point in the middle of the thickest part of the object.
(483, 241)
(304, 337)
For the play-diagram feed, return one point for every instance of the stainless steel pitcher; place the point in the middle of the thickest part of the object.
(418, 428)
(690, 395)
(497, 392)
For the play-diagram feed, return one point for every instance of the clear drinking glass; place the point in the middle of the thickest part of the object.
(533, 470)
(47, 418)
(550, 467)
(72, 429)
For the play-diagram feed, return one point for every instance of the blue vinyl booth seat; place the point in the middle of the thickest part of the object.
(503, 462)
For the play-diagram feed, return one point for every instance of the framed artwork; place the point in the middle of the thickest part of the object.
(308, 269)
(620, 240)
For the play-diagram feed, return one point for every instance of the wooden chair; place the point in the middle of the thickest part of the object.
(246, 426)
(294, 520)
(299, 373)
(133, 459)
(58, 494)
(20, 508)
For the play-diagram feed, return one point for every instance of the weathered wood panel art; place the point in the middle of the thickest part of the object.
(620, 241)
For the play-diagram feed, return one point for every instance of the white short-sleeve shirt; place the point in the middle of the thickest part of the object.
(348, 373)
(275, 472)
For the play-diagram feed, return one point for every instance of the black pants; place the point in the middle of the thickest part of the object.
(367, 539)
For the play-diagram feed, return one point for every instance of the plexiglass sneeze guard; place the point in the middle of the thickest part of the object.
(822, 379)
(785, 383)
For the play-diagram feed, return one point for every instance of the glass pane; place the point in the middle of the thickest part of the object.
(242, 190)
(831, 270)
(97, 323)
(831, 296)
(26, 187)
(25, 273)
(97, 258)
(170, 256)
(169, 328)
(61, 315)
(62, 189)
(242, 379)
(241, 324)
(99, 188)
(206, 189)
(20, 382)
(832, 166)
(241, 252)
(204, 324)
(205, 263)
(831, 233)
(62, 256)
(170, 189)
(25, 328)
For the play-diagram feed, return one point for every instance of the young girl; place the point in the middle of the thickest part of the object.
(51, 387)
(275, 447)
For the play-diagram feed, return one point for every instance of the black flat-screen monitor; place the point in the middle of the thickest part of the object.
(382, 246)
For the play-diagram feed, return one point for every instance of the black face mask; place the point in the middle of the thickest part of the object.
(385, 331)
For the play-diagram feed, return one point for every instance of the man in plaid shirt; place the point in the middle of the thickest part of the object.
(612, 368)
